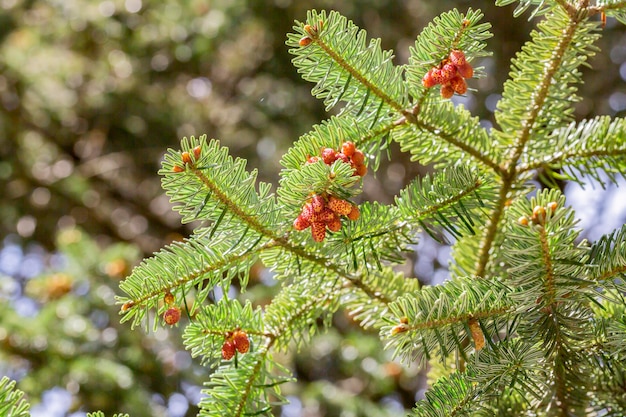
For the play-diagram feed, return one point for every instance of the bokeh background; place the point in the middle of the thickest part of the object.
(92, 93)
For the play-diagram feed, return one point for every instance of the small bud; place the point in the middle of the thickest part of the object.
(228, 350)
(329, 155)
(172, 315)
(458, 84)
(186, 158)
(429, 80)
(437, 75)
(457, 57)
(358, 157)
(448, 72)
(325, 216)
(127, 305)
(197, 151)
(477, 334)
(168, 298)
(343, 158)
(317, 203)
(400, 328)
(446, 91)
(539, 215)
(307, 212)
(339, 206)
(300, 223)
(466, 70)
(176, 168)
(523, 221)
(312, 159)
(552, 206)
(305, 41)
(354, 213)
(318, 231)
(335, 224)
(241, 341)
(361, 170)
(311, 30)
(348, 148)
(404, 320)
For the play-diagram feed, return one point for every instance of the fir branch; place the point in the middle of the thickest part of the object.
(206, 334)
(215, 184)
(332, 133)
(374, 311)
(433, 321)
(346, 69)
(12, 403)
(454, 199)
(448, 31)
(583, 148)
(513, 366)
(531, 104)
(441, 132)
(531, 100)
(542, 6)
(548, 270)
(200, 260)
(449, 397)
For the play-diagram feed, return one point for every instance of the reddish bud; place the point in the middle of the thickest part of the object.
(437, 75)
(172, 315)
(339, 206)
(311, 30)
(466, 70)
(446, 91)
(361, 170)
(127, 305)
(329, 155)
(325, 215)
(343, 158)
(448, 71)
(429, 80)
(358, 157)
(400, 328)
(348, 148)
(317, 203)
(335, 224)
(241, 341)
(458, 84)
(300, 223)
(186, 157)
(176, 168)
(307, 212)
(523, 221)
(457, 57)
(196, 152)
(354, 214)
(168, 298)
(552, 206)
(318, 231)
(312, 159)
(539, 215)
(305, 41)
(228, 350)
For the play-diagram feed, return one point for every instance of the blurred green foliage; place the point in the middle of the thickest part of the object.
(91, 95)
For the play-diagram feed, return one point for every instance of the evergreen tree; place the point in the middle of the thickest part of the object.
(531, 321)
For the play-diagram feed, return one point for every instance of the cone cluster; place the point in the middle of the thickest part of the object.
(348, 154)
(450, 74)
(322, 212)
(236, 341)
